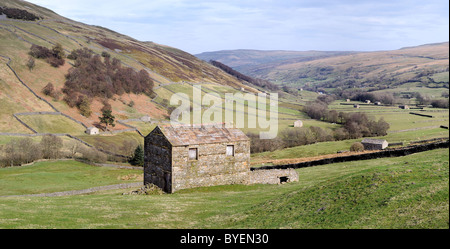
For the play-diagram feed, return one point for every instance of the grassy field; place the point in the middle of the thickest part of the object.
(405, 192)
(325, 148)
(113, 143)
(56, 176)
(399, 120)
(53, 124)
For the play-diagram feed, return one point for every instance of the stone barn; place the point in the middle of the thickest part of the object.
(374, 144)
(185, 156)
(92, 131)
(298, 123)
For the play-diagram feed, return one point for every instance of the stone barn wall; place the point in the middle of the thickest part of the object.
(157, 161)
(272, 176)
(213, 166)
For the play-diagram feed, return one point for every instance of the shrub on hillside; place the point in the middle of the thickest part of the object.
(258, 145)
(50, 90)
(357, 146)
(31, 63)
(84, 105)
(39, 52)
(440, 103)
(356, 125)
(18, 14)
(94, 76)
(20, 151)
(55, 62)
(92, 155)
(55, 56)
(51, 146)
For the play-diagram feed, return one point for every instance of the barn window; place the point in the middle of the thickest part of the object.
(230, 150)
(193, 154)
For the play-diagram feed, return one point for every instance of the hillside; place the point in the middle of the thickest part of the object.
(425, 65)
(21, 87)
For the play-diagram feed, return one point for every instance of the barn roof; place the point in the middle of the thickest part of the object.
(373, 141)
(201, 134)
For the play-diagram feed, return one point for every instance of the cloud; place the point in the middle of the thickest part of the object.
(196, 25)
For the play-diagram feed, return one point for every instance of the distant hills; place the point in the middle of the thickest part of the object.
(246, 59)
(425, 65)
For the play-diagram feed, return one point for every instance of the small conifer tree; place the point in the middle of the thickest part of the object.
(138, 157)
(107, 118)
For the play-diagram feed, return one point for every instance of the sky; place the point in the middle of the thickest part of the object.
(197, 26)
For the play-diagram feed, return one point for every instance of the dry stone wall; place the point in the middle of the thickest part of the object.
(272, 176)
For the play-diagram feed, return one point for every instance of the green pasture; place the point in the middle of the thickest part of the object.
(53, 124)
(114, 142)
(56, 176)
(408, 192)
(324, 148)
(441, 77)
(398, 119)
(7, 139)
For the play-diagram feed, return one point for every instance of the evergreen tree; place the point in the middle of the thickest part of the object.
(138, 157)
(107, 118)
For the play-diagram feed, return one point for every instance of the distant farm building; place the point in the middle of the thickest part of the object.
(298, 123)
(403, 107)
(92, 131)
(374, 144)
(145, 118)
(185, 156)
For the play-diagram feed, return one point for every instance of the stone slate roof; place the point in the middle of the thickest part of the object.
(373, 141)
(201, 134)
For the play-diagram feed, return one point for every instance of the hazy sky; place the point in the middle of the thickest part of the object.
(197, 26)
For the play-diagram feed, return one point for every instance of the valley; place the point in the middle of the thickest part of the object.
(58, 76)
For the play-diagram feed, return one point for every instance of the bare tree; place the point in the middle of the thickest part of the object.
(51, 146)
(30, 63)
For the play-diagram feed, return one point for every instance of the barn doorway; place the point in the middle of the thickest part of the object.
(166, 183)
(284, 179)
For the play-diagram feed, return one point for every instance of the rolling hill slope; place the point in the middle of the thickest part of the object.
(164, 65)
(425, 65)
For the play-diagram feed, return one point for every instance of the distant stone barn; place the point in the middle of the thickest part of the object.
(92, 131)
(185, 156)
(374, 144)
(298, 123)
